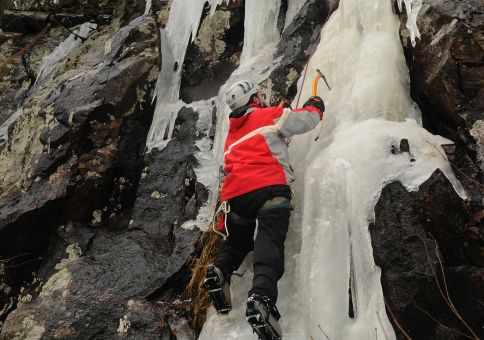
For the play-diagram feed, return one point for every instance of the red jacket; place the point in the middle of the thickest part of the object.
(256, 153)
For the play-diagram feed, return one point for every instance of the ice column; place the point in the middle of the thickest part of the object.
(260, 26)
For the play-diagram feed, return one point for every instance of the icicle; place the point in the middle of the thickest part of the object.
(182, 24)
(260, 26)
(147, 7)
(413, 8)
(50, 62)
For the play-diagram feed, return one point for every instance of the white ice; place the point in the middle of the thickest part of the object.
(339, 180)
(260, 25)
(50, 62)
(147, 7)
(412, 8)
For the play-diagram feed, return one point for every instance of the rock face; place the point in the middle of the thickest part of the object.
(215, 53)
(417, 236)
(421, 237)
(109, 255)
(447, 71)
(91, 243)
(297, 43)
(77, 151)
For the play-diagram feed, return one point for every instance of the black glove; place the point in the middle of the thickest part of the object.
(317, 102)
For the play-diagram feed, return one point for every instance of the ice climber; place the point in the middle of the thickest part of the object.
(256, 193)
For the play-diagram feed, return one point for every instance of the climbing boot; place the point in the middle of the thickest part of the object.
(263, 315)
(218, 288)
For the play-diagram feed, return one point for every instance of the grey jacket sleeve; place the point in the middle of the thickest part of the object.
(297, 122)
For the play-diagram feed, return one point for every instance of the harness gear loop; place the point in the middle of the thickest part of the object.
(219, 224)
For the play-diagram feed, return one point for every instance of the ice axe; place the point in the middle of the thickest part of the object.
(318, 76)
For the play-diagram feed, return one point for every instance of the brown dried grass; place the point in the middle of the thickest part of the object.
(208, 246)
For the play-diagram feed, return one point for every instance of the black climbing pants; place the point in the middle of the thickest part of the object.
(270, 206)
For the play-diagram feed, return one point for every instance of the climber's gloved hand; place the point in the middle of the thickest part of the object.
(317, 102)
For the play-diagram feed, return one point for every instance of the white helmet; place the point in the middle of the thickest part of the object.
(239, 94)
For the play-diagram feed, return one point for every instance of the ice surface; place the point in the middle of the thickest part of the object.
(260, 26)
(339, 179)
(50, 62)
(413, 8)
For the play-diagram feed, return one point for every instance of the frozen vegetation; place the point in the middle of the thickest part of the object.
(339, 177)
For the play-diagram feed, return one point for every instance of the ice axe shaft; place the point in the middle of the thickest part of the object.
(319, 75)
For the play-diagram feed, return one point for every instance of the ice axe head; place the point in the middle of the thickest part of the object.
(319, 75)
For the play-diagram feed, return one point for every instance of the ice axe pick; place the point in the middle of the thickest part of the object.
(319, 75)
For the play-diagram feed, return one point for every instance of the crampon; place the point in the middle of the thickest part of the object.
(219, 289)
(262, 315)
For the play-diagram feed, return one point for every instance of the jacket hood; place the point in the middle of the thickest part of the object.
(238, 117)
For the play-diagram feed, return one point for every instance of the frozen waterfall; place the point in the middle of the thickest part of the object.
(339, 177)
(339, 180)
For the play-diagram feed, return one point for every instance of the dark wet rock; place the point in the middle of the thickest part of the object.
(169, 182)
(297, 43)
(403, 146)
(24, 21)
(413, 234)
(18, 75)
(34, 21)
(65, 6)
(122, 279)
(69, 174)
(446, 82)
(446, 71)
(215, 53)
